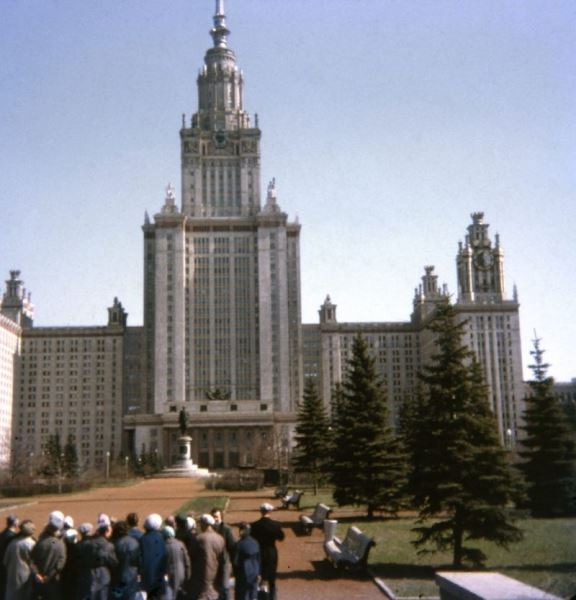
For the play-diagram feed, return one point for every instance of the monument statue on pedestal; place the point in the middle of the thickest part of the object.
(184, 466)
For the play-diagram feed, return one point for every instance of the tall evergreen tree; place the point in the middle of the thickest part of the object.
(53, 454)
(548, 448)
(368, 466)
(70, 465)
(312, 439)
(461, 476)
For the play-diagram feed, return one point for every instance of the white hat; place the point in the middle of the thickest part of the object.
(86, 528)
(70, 534)
(266, 507)
(207, 520)
(191, 523)
(153, 522)
(103, 521)
(68, 522)
(56, 518)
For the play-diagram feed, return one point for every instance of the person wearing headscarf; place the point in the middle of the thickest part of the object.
(153, 558)
(177, 564)
(17, 561)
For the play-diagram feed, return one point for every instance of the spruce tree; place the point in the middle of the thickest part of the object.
(70, 465)
(461, 477)
(368, 466)
(312, 439)
(547, 450)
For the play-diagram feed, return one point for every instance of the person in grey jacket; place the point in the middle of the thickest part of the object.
(177, 564)
(17, 561)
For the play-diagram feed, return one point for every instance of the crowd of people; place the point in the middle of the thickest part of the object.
(168, 559)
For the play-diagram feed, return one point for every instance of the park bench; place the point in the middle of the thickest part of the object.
(281, 491)
(350, 553)
(292, 499)
(316, 519)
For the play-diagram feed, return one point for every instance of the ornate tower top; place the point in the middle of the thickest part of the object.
(219, 32)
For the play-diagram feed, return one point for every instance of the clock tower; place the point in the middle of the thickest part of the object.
(493, 324)
(480, 265)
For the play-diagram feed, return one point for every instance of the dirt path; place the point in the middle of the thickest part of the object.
(303, 573)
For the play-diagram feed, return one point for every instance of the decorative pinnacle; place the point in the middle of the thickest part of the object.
(219, 32)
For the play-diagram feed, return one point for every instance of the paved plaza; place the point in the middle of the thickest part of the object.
(303, 572)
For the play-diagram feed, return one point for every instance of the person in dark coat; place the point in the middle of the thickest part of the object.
(6, 536)
(101, 560)
(153, 559)
(177, 564)
(186, 533)
(125, 576)
(48, 560)
(267, 532)
(246, 564)
(226, 532)
(133, 529)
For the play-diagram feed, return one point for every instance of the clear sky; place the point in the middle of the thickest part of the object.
(385, 122)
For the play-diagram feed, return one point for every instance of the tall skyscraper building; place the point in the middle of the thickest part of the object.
(222, 336)
(222, 282)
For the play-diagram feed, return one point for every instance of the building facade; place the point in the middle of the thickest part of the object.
(401, 349)
(222, 336)
(222, 315)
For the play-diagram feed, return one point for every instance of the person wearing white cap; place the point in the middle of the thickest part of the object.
(213, 556)
(267, 532)
(153, 555)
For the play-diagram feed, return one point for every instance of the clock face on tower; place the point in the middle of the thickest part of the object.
(483, 259)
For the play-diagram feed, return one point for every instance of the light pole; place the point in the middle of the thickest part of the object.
(107, 465)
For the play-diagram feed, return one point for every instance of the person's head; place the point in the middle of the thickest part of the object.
(217, 514)
(12, 521)
(27, 528)
(207, 522)
(168, 532)
(119, 529)
(132, 519)
(85, 530)
(56, 519)
(52, 529)
(266, 509)
(153, 522)
(68, 522)
(170, 521)
(244, 529)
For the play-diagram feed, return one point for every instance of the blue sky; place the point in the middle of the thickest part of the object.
(385, 122)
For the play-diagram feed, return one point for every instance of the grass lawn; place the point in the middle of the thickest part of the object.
(546, 558)
(203, 504)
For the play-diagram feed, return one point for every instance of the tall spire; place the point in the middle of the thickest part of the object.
(219, 32)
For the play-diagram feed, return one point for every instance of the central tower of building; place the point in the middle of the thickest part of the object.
(222, 311)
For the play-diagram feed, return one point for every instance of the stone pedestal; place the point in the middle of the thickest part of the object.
(184, 466)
